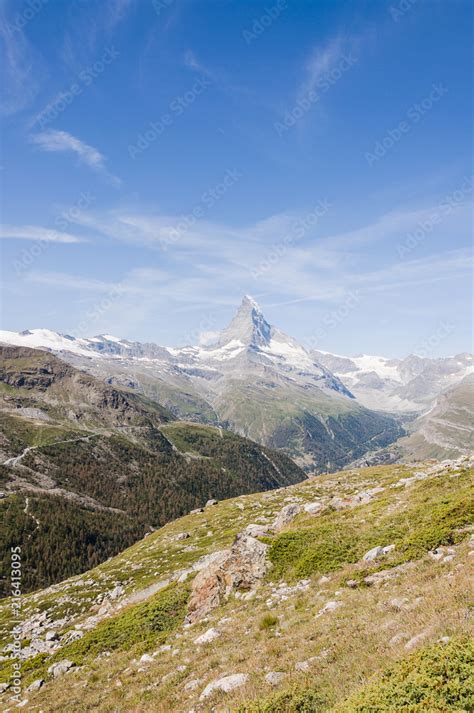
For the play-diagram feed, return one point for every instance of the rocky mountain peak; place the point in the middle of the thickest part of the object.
(248, 325)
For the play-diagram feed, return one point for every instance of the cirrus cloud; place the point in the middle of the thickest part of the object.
(54, 140)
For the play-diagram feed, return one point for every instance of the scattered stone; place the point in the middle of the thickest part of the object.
(73, 635)
(226, 684)
(117, 592)
(36, 685)
(398, 603)
(415, 640)
(52, 636)
(225, 620)
(211, 502)
(286, 515)
(207, 637)
(274, 677)
(4, 687)
(183, 536)
(302, 666)
(352, 583)
(255, 530)
(398, 638)
(59, 668)
(377, 552)
(196, 511)
(313, 508)
(340, 503)
(192, 685)
(329, 607)
(249, 595)
(146, 658)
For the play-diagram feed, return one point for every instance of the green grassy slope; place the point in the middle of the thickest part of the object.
(399, 628)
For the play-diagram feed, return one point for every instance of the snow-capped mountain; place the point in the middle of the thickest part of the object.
(398, 385)
(250, 345)
(255, 380)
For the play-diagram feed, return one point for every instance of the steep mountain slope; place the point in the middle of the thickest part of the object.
(405, 385)
(447, 430)
(256, 381)
(87, 469)
(289, 600)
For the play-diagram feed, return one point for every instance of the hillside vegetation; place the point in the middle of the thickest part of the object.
(364, 605)
(88, 469)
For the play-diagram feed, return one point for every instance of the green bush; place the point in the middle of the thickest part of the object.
(434, 515)
(297, 701)
(139, 628)
(437, 678)
(268, 621)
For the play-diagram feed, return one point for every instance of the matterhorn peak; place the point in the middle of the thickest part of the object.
(248, 325)
(248, 301)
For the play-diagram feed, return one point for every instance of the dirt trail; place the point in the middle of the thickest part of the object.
(12, 462)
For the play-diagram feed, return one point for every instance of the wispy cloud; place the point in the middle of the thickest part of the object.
(22, 68)
(66, 281)
(116, 11)
(35, 232)
(320, 62)
(218, 261)
(54, 140)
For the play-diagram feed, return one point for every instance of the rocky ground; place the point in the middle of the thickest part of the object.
(305, 591)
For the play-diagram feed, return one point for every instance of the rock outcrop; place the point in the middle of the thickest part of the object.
(286, 515)
(240, 567)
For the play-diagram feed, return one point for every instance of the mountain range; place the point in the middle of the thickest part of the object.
(323, 410)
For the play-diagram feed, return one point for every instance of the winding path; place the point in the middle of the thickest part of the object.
(13, 462)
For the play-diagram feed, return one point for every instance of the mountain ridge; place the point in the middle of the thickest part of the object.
(102, 466)
(255, 380)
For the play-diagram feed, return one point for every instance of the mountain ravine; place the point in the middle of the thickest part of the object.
(87, 469)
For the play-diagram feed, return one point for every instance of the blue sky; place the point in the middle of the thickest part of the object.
(161, 158)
